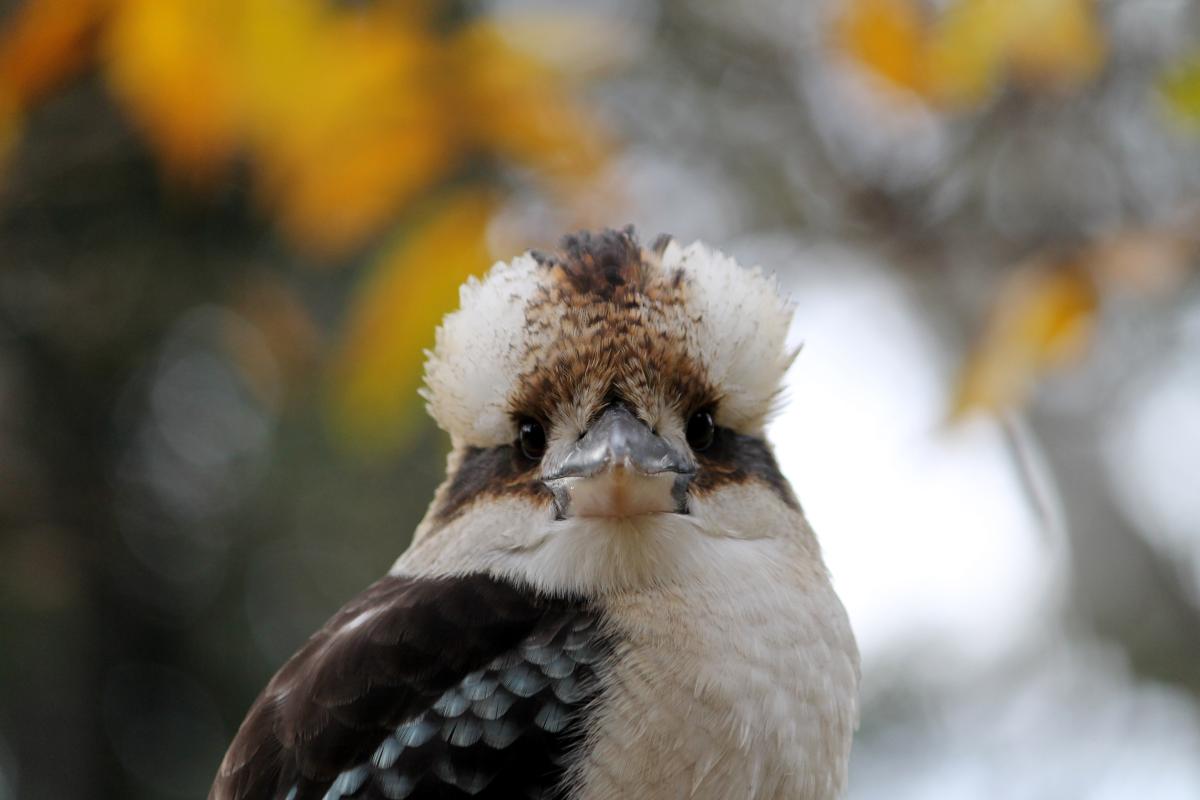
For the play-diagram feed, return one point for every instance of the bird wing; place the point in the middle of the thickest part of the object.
(422, 688)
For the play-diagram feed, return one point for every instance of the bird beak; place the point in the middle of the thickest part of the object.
(620, 468)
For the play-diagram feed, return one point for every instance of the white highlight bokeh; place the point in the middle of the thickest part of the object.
(951, 560)
(926, 527)
(1152, 453)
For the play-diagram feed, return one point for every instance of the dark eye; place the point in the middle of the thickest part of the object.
(532, 437)
(700, 430)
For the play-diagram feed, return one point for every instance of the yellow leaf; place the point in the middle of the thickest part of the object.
(965, 53)
(886, 36)
(1180, 87)
(394, 315)
(347, 116)
(172, 63)
(1054, 43)
(515, 108)
(1042, 44)
(958, 57)
(344, 114)
(1042, 321)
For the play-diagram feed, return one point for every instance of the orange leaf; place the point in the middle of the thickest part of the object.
(1042, 321)
(41, 45)
(394, 315)
(886, 36)
(347, 116)
(45, 42)
(959, 56)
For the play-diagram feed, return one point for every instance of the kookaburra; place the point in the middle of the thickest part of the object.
(614, 593)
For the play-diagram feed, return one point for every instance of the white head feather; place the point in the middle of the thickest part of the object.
(734, 319)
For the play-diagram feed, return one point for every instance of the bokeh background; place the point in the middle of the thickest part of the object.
(228, 228)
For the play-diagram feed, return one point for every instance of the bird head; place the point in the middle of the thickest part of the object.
(606, 406)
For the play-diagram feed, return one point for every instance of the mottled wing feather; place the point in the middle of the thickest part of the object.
(504, 731)
(423, 688)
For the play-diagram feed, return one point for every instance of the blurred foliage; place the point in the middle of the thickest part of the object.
(960, 56)
(342, 115)
(395, 313)
(1043, 320)
(1181, 87)
(965, 55)
(1045, 314)
(348, 120)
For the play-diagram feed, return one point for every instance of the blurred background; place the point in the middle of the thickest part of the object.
(228, 229)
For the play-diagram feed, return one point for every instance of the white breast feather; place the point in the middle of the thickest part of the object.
(739, 682)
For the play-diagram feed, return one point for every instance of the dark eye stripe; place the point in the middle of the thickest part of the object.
(489, 472)
(731, 459)
(735, 458)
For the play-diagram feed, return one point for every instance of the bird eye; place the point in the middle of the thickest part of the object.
(700, 430)
(532, 437)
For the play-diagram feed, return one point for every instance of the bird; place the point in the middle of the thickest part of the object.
(615, 592)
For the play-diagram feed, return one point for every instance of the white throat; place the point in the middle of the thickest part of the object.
(736, 672)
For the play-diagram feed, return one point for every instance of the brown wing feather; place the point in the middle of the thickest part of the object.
(382, 659)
